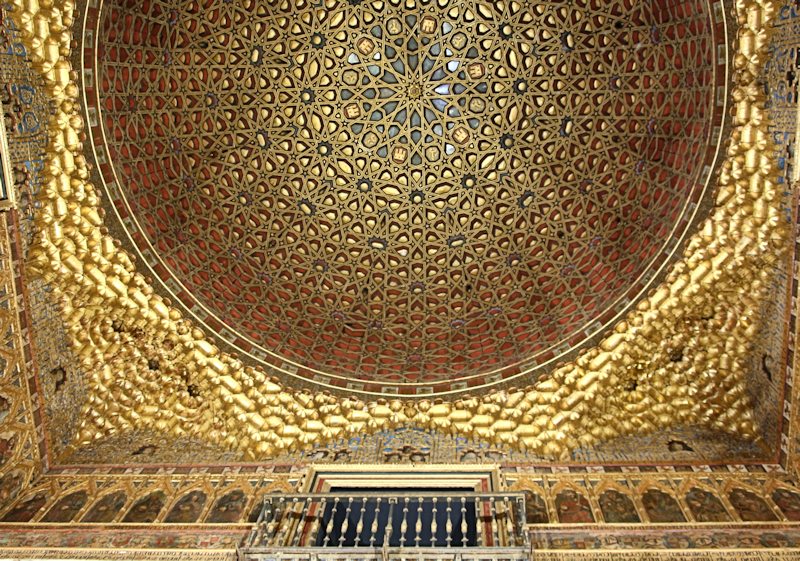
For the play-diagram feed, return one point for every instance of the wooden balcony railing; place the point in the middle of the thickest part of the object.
(395, 525)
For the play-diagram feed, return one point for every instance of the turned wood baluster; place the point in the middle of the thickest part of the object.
(434, 525)
(346, 523)
(373, 531)
(299, 523)
(278, 526)
(267, 519)
(464, 537)
(404, 523)
(509, 522)
(312, 535)
(449, 525)
(285, 523)
(288, 523)
(329, 527)
(479, 521)
(271, 526)
(360, 525)
(387, 537)
(521, 529)
(494, 530)
(418, 524)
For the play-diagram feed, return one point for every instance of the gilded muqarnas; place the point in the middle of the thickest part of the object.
(707, 306)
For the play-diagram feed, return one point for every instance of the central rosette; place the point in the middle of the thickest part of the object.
(409, 90)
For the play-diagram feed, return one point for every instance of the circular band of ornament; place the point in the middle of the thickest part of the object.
(412, 196)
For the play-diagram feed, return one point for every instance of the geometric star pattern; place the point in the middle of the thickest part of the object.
(408, 192)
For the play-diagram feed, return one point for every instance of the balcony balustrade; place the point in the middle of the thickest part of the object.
(398, 525)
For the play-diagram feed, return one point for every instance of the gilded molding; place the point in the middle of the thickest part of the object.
(776, 493)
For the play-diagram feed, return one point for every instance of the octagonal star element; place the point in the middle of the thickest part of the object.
(476, 70)
(428, 24)
(352, 111)
(399, 154)
(461, 135)
(365, 45)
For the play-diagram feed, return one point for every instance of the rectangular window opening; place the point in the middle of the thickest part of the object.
(406, 517)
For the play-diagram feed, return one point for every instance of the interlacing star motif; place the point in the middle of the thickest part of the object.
(416, 178)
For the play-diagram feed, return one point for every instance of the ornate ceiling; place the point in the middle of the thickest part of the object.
(678, 423)
(421, 195)
(597, 137)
